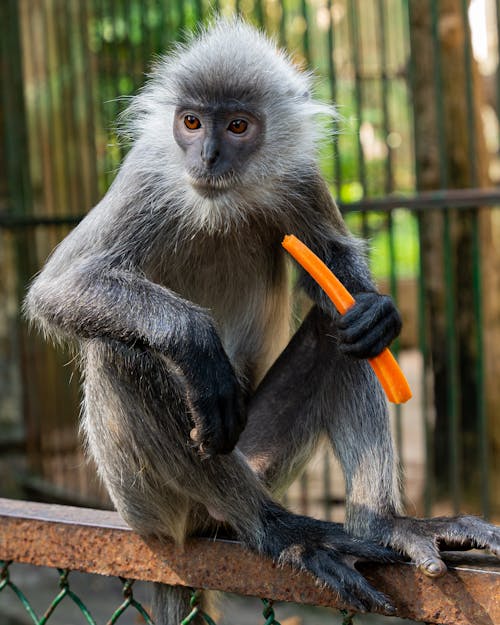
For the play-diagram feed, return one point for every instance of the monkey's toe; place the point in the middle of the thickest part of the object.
(353, 589)
(423, 539)
(433, 567)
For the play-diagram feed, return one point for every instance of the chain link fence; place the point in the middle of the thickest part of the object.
(129, 603)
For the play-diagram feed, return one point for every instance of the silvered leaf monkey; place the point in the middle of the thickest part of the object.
(176, 289)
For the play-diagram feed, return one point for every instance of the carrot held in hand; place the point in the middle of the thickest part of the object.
(386, 368)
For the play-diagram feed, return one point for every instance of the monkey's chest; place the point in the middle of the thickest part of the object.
(247, 298)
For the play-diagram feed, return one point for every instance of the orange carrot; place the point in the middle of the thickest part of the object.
(385, 366)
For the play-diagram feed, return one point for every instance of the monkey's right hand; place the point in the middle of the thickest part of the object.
(216, 399)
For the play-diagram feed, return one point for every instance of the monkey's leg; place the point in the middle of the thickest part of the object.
(313, 388)
(138, 424)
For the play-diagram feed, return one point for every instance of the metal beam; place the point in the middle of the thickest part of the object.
(97, 541)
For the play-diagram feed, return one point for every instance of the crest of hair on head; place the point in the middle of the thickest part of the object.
(231, 61)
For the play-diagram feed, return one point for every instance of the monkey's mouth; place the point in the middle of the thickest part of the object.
(211, 186)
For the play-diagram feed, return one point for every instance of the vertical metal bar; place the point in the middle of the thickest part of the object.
(103, 91)
(282, 30)
(133, 12)
(259, 13)
(39, 366)
(123, 49)
(393, 285)
(453, 403)
(182, 15)
(17, 176)
(59, 68)
(71, 101)
(452, 358)
(198, 6)
(140, 55)
(162, 28)
(484, 460)
(49, 107)
(388, 188)
(89, 100)
(358, 90)
(39, 119)
(152, 28)
(62, 71)
(15, 133)
(482, 426)
(469, 99)
(332, 79)
(382, 45)
(423, 340)
(305, 40)
(116, 150)
(438, 83)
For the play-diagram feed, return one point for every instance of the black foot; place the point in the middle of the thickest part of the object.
(327, 552)
(422, 539)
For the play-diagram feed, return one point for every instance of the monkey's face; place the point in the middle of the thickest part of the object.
(218, 144)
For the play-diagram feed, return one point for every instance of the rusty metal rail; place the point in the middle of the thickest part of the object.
(96, 541)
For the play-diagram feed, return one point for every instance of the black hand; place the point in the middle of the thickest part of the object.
(369, 326)
(216, 398)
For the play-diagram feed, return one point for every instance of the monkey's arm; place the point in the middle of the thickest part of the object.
(92, 299)
(374, 321)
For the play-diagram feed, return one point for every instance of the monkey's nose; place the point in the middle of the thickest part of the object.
(209, 152)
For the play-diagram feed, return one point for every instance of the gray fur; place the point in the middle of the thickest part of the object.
(178, 301)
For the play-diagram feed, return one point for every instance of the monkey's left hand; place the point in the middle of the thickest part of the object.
(369, 326)
(422, 539)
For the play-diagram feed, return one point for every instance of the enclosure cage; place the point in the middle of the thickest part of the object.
(413, 161)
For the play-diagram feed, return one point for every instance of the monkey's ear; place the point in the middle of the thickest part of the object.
(306, 95)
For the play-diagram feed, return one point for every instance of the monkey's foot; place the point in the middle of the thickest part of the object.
(422, 539)
(327, 552)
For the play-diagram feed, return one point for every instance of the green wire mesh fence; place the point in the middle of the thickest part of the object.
(129, 603)
(66, 593)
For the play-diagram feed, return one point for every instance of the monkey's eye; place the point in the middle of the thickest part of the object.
(192, 122)
(238, 126)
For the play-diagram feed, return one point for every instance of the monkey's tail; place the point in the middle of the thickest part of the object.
(172, 604)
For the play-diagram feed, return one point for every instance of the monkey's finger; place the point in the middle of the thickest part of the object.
(369, 344)
(369, 326)
(220, 424)
(371, 307)
(370, 552)
(335, 537)
(232, 424)
(207, 422)
(363, 550)
(351, 586)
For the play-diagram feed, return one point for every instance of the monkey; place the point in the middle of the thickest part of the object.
(199, 405)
